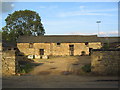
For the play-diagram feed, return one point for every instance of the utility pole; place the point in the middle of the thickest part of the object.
(98, 26)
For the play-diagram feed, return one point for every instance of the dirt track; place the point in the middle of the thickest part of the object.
(49, 75)
(56, 66)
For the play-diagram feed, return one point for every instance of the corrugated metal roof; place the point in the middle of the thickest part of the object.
(58, 38)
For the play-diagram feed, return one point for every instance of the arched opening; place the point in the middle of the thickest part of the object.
(83, 53)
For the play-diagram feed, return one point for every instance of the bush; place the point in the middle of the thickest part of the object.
(106, 46)
(25, 69)
(22, 71)
(87, 68)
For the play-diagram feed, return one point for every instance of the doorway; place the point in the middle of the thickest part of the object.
(90, 51)
(71, 49)
(41, 51)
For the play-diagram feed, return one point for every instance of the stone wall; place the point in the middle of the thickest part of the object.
(0, 46)
(95, 45)
(54, 49)
(9, 63)
(105, 62)
(0, 59)
(0, 64)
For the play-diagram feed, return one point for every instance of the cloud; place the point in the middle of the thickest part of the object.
(12, 5)
(42, 7)
(78, 33)
(82, 11)
(63, 22)
(103, 10)
(48, 7)
(7, 6)
(111, 33)
(77, 13)
(82, 8)
(0, 18)
(64, 0)
(53, 7)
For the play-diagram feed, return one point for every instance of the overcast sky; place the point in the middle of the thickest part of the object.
(71, 17)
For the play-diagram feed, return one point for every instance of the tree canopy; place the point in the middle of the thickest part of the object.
(23, 22)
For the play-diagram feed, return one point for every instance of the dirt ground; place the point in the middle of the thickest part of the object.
(52, 73)
(57, 65)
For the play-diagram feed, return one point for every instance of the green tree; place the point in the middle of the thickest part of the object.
(23, 22)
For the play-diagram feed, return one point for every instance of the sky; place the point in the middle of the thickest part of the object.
(71, 18)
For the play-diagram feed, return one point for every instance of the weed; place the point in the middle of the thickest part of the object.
(26, 68)
(87, 68)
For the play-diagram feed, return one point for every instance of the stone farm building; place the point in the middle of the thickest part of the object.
(58, 45)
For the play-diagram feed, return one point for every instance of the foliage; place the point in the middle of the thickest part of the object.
(87, 68)
(27, 68)
(23, 22)
(106, 46)
(22, 71)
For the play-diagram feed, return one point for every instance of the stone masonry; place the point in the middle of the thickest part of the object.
(57, 50)
(9, 63)
(105, 62)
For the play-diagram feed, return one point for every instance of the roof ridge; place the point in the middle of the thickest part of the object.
(61, 36)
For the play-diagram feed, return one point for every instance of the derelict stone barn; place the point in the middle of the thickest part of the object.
(58, 45)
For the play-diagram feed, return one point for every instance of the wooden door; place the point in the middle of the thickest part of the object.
(41, 51)
(71, 50)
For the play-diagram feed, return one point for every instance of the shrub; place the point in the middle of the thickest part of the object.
(106, 46)
(22, 71)
(25, 69)
(87, 68)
